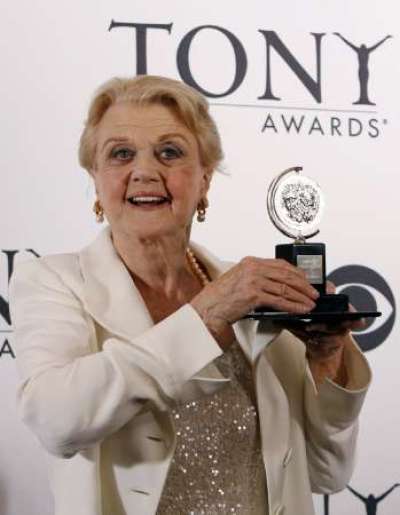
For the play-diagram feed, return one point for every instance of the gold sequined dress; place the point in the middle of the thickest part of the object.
(217, 467)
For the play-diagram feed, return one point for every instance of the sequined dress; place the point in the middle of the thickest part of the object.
(217, 467)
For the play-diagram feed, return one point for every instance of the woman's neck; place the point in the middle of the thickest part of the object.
(159, 263)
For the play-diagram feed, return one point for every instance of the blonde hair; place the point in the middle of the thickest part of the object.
(185, 102)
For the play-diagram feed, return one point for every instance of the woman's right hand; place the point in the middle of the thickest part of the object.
(253, 282)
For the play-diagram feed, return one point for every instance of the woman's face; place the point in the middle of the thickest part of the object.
(148, 174)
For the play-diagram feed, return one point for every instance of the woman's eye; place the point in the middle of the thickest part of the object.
(170, 152)
(123, 154)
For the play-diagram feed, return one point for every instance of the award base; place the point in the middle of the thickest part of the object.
(332, 303)
(300, 320)
(329, 309)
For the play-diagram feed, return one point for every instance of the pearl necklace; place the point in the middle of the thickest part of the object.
(196, 268)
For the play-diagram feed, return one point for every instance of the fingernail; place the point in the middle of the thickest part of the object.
(308, 307)
(315, 293)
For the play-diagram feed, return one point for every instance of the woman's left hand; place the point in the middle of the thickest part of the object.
(325, 345)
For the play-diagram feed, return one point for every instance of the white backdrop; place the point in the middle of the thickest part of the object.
(54, 54)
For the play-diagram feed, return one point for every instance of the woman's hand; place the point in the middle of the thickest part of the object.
(325, 345)
(252, 283)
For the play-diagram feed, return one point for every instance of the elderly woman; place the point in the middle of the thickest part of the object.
(139, 377)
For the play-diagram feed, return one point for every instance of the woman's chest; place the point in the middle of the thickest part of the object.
(160, 308)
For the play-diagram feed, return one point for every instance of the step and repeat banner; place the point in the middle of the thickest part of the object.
(312, 84)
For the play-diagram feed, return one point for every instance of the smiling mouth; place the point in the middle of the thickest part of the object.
(140, 200)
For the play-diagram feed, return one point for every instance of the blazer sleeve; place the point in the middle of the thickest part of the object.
(70, 395)
(331, 424)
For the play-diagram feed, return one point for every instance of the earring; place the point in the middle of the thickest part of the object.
(98, 211)
(201, 210)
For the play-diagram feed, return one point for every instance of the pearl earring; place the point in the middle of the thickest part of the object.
(98, 211)
(201, 210)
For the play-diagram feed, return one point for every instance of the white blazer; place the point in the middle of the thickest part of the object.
(96, 373)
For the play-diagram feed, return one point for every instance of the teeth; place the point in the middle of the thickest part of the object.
(146, 199)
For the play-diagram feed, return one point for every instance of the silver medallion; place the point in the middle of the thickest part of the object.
(295, 204)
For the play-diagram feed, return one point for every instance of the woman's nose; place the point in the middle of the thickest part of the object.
(146, 168)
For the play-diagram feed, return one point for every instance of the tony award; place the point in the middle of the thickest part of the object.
(295, 204)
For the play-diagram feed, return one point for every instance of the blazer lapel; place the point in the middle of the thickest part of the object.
(110, 294)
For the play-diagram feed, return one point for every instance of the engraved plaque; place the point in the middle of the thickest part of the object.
(312, 266)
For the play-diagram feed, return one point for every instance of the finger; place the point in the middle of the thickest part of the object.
(356, 324)
(292, 280)
(333, 328)
(280, 271)
(282, 264)
(330, 287)
(287, 292)
(283, 268)
(318, 339)
(318, 344)
(281, 304)
(336, 328)
(353, 324)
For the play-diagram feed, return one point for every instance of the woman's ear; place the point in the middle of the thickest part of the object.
(94, 178)
(207, 174)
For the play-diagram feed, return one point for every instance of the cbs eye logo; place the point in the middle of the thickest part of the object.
(368, 291)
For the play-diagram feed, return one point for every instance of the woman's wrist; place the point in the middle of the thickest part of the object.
(220, 329)
(330, 365)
